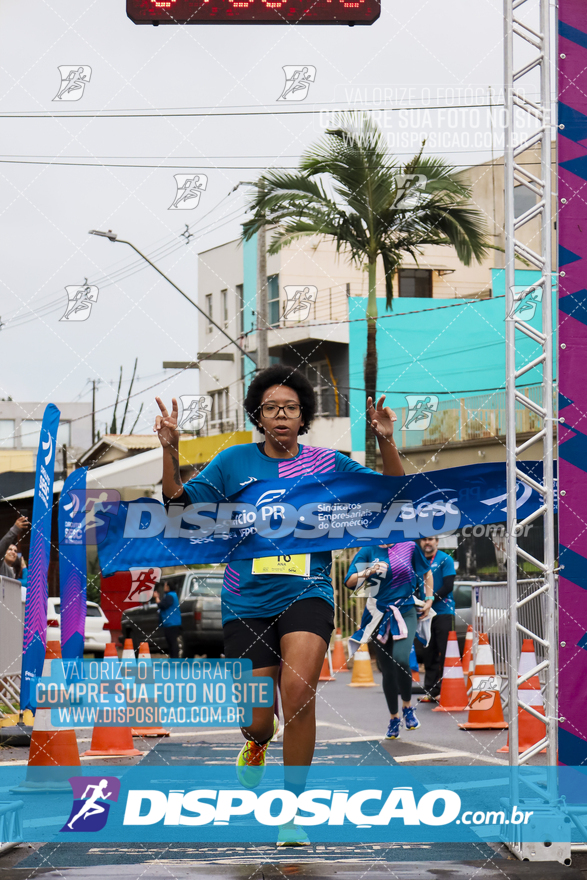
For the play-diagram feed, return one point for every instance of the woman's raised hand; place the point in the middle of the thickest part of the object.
(382, 418)
(166, 424)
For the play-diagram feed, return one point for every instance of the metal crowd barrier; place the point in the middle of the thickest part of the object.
(491, 615)
(10, 825)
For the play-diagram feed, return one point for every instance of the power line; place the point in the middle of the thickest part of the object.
(191, 114)
(108, 280)
(201, 166)
(121, 165)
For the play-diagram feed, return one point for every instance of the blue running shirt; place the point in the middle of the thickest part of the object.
(245, 594)
(406, 563)
(442, 566)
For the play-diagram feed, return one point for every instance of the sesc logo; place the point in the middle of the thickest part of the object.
(90, 802)
(278, 806)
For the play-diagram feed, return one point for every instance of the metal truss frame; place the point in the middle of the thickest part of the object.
(519, 35)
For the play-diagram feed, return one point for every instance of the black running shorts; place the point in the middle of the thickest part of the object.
(258, 638)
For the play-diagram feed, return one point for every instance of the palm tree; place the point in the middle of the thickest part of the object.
(348, 189)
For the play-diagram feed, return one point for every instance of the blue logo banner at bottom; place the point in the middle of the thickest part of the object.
(340, 804)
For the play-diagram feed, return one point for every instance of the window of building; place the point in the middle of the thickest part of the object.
(240, 306)
(224, 306)
(30, 433)
(318, 375)
(415, 282)
(524, 199)
(7, 433)
(209, 311)
(273, 300)
(220, 409)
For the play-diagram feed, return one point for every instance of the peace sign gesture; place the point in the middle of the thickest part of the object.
(166, 424)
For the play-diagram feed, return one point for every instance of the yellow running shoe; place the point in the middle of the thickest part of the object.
(250, 763)
(291, 834)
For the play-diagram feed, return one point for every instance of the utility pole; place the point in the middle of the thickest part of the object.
(262, 348)
(93, 411)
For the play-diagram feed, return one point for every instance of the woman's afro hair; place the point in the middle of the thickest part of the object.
(280, 375)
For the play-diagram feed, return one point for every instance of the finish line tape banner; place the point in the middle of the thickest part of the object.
(312, 514)
(340, 804)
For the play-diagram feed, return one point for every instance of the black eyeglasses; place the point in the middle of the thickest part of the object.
(290, 410)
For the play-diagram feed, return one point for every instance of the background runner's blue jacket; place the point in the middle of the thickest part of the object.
(245, 594)
(443, 567)
(169, 611)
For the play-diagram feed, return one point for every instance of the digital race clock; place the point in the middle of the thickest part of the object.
(348, 12)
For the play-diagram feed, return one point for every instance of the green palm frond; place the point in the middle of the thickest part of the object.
(345, 190)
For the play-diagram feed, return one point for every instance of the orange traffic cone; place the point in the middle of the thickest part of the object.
(128, 651)
(51, 747)
(453, 693)
(530, 729)
(468, 657)
(326, 671)
(112, 740)
(485, 711)
(338, 659)
(145, 654)
(362, 671)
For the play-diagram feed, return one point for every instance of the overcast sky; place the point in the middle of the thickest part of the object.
(422, 45)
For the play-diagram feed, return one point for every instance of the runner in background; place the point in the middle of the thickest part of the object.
(390, 573)
(443, 572)
(276, 608)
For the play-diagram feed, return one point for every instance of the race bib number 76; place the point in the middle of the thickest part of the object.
(298, 565)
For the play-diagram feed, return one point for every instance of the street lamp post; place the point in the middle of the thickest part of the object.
(112, 236)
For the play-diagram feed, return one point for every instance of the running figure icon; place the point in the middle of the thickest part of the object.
(144, 581)
(189, 189)
(420, 411)
(80, 299)
(195, 411)
(73, 82)
(91, 807)
(297, 82)
(299, 302)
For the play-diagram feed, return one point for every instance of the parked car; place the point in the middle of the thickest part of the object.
(463, 596)
(201, 618)
(97, 634)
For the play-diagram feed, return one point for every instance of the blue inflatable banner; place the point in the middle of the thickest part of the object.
(310, 514)
(35, 621)
(73, 574)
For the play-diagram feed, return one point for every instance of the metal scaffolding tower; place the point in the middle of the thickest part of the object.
(527, 57)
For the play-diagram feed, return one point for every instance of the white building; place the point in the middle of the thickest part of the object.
(319, 343)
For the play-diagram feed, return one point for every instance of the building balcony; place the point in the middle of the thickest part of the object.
(470, 419)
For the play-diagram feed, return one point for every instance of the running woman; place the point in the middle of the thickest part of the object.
(390, 618)
(270, 615)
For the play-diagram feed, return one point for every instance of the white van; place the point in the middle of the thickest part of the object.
(97, 634)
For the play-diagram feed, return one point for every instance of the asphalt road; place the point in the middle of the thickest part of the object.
(349, 715)
(351, 723)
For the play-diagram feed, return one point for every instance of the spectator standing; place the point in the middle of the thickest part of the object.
(443, 573)
(170, 618)
(11, 563)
